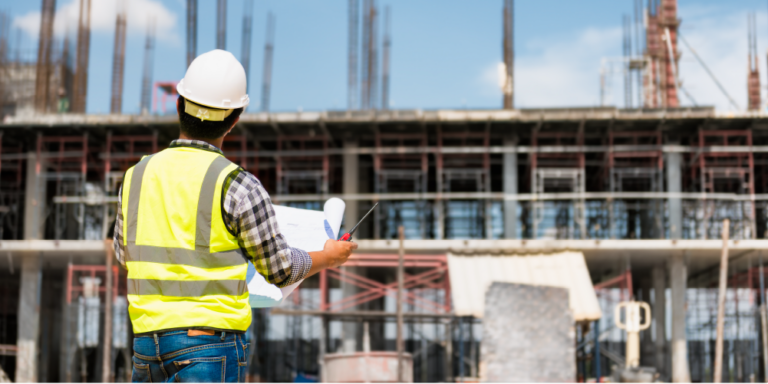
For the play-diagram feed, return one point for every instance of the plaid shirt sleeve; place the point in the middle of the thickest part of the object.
(117, 238)
(248, 214)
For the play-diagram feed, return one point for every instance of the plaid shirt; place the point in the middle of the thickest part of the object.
(247, 212)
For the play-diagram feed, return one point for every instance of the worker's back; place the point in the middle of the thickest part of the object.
(185, 269)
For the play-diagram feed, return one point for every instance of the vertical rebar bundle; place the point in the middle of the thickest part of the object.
(753, 79)
(373, 59)
(5, 23)
(385, 65)
(246, 41)
(354, 23)
(191, 31)
(364, 68)
(268, 51)
(146, 81)
(509, 54)
(43, 73)
(221, 24)
(627, 46)
(83, 50)
(370, 67)
(118, 61)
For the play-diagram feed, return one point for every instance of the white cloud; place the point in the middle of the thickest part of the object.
(561, 71)
(720, 39)
(103, 13)
(565, 70)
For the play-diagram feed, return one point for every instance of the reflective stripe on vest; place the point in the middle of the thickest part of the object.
(175, 286)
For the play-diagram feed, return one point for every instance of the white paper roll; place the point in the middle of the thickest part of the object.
(334, 214)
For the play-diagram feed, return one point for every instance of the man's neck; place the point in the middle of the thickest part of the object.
(218, 143)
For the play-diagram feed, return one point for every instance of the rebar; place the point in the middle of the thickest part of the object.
(385, 62)
(118, 61)
(146, 81)
(43, 73)
(221, 24)
(245, 59)
(191, 30)
(83, 51)
(269, 48)
(352, 54)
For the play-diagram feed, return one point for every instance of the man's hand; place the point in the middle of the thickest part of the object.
(337, 252)
(334, 254)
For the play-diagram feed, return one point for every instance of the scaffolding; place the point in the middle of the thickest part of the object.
(167, 91)
(718, 171)
(556, 173)
(401, 173)
(635, 171)
(11, 190)
(463, 219)
(303, 174)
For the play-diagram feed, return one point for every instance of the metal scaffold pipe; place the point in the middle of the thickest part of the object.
(718, 372)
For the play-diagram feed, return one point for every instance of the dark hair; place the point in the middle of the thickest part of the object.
(198, 129)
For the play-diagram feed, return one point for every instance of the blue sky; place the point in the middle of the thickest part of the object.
(445, 53)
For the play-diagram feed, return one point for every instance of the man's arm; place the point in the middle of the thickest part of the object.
(249, 215)
(117, 237)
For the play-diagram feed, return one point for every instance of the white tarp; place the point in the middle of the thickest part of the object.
(472, 275)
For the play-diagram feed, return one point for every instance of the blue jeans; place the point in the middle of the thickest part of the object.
(175, 357)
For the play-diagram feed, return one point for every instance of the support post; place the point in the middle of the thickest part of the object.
(106, 370)
(678, 280)
(350, 329)
(449, 351)
(34, 196)
(718, 375)
(659, 276)
(351, 182)
(400, 283)
(674, 185)
(31, 270)
(29, 318)
(596, 352)
(763, 320)
(510, 188)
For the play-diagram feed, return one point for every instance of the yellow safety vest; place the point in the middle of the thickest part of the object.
(185, 269)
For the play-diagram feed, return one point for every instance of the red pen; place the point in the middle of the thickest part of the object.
(348, 236)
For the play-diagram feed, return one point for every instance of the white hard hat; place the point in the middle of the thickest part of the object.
(215, 79)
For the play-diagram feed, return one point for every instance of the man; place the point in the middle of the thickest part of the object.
(188, 223)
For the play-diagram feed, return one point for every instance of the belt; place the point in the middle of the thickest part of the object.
(189, 332)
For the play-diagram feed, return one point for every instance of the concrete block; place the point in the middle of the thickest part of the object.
(528, 335)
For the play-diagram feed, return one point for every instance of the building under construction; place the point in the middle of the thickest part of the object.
(642, 193)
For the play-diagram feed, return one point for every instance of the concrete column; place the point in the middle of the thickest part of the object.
(659, 276)
(34, 199)
(349, 330)
(678, 282)
(674, 185)
(351, 177)
(510, 187)
(31, 274)
(29, 318)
